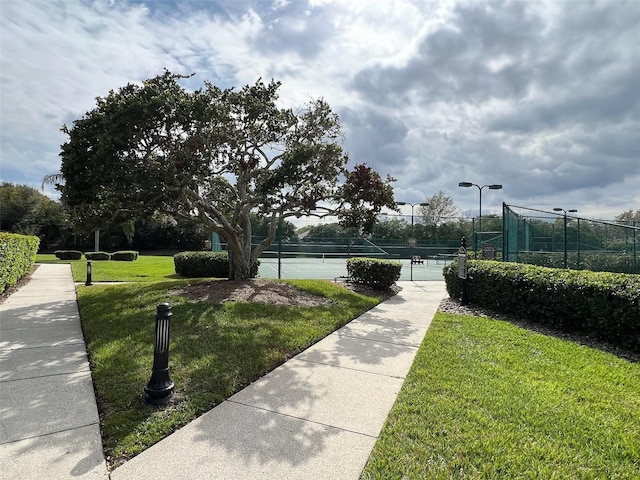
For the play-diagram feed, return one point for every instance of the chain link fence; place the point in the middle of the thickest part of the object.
(561, 239)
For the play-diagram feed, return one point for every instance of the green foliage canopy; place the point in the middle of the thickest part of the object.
(216, 155)
(26, 211)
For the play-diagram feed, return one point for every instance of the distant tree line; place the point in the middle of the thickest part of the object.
(25, 210)
(438, 221)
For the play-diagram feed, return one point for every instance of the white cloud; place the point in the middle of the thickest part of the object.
(540, 96)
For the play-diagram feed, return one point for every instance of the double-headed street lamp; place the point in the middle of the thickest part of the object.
(573, 210)
(494, 186)
(423, 204)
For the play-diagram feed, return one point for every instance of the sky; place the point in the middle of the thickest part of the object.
(542, 97)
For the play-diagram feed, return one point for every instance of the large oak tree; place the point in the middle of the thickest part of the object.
(218, 155)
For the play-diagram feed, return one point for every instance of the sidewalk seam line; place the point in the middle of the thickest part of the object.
(349, 368)
(55, 345)
(33, 327)
(53, 433)
(302, 419)
(47, 376)
(13, 349)
(413, 345)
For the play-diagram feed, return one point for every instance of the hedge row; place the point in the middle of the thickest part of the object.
(125, 255)
(600, 304)
(17, 256)
(206, 264)
(377, 273)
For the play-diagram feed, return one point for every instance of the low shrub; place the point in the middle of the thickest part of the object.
(17, 256)
(68, 254)
(125, 256)
(374, 272)
(206, 264)
(97, 256)
(602, 304)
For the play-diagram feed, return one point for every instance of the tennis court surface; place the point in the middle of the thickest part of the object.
(329, 268)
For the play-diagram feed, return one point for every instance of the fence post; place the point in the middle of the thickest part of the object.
(462, 270)
(280, 248)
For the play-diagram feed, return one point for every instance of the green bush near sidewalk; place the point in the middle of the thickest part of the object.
(206, 264)
(600, 304)
(17, 255)
(374, 272)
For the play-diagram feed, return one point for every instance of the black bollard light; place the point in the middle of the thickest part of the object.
(88, 282)
(159, 390)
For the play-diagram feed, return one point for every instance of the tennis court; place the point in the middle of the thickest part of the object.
(326, 266)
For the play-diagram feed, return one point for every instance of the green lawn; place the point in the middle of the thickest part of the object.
(484, 398)
(487, 399)
(147, 268)
(216, 350)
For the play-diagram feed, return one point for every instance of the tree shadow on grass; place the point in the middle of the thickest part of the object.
(450, 306)
(215, 351)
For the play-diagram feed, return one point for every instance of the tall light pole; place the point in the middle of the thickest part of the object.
(423, 204)
(573, 210)
(493, 186)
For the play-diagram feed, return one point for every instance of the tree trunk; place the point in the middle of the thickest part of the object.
(240, 252)
(239, 267)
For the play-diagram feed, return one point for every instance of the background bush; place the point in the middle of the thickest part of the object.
(379, 274)
(602, 304)
(206, 264)
(97, 256)
(68, 254)
(17, 256)
(125, 255)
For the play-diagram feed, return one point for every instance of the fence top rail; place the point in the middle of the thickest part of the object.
(558, 214)
(272, 254)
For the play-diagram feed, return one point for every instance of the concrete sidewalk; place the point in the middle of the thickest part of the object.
(317, 416)
(49, 426)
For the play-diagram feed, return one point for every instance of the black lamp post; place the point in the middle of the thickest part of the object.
(573, 210)
(423, 204)
(494, 186)
(159, 390)
(88, 282)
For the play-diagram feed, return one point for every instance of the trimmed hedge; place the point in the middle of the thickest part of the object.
(97, 256)
(68, 254)
(377, 273)
(601, 304)
(125, 256)
(17, 256)
(206, 264)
